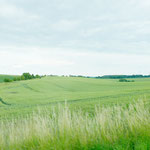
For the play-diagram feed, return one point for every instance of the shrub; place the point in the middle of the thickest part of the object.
(22, 77)
(123, 80)
(18, 78)
(7, 80)
(15, 79)
(131, 80)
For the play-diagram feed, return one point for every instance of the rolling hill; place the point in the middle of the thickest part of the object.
(84, 93)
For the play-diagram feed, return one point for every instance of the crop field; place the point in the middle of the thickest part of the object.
(84, 93)
(107, 110)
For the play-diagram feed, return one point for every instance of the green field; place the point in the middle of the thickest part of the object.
(28, 120)
(25, 96)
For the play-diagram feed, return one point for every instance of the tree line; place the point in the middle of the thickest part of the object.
(122, 76)
(24, 76)
(113, 76)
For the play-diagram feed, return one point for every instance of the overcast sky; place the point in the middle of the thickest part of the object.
(75, 37)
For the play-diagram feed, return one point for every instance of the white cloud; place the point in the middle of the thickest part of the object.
(58, 36)
(92, 31)
(8, 10)
(47, 61)
(144, 3)
(65, 25)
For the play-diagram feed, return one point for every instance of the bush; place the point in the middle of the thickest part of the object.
(15, 79)
(125, 80)
(18, 78)
(22, 77)
(7, 80)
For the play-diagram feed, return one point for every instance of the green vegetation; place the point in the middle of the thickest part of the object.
(25, 96)
(125, 127)
(113, 76)
(7, 80)
(122, 76)
(10, 77)
(125, 80)
(28, 76)
(119, 122)
(24, 76)
(1, 100)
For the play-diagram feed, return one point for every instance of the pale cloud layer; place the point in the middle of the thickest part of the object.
(75, 36)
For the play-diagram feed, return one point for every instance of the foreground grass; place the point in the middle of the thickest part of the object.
(118, 127)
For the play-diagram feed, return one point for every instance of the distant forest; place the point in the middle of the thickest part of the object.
(122, 76)
(113, 76)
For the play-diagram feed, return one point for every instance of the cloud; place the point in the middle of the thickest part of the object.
(48, 61)
(57, 35)
(92, 31)
(65, 25)
(8, 10)
(11, 10)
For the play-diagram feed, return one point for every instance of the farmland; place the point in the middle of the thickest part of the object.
(80, 94)
(25, 96)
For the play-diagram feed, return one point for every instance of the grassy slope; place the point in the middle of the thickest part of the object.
(25, 96)
(110, 128)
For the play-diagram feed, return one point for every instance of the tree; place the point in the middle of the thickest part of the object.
(33, 76)
(37, 76)
(27, 76)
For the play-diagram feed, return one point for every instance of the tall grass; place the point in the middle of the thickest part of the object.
(117, 127)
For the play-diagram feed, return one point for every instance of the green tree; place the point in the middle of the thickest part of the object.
(27, 76)
(33, 77)
(37, 76)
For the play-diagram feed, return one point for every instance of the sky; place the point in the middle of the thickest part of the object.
(78, 37)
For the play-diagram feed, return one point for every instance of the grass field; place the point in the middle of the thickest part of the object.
(111, 128)
(82, 94)
(25, 96)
